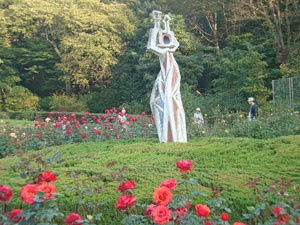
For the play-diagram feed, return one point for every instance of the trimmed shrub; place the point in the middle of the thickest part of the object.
(62, 102)
(21, 99)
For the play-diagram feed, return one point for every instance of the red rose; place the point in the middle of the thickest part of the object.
(13, 215)
(184, 166)
(28, 193)
(57, 125)
(38, 136)
(202, 210)
(68, 131)
(283, 218)
(84, 135)
(126, 185)
(161, 214)
(48, 190)
(238, 223)
(162, 196)
(180, 211)
(98, 132)
(5, 193)
(143, 113)
(224, 217)
(169, 183)
(72, 218)
(47, 176)
(187, 204)
(125, 201)
(277, 210)
(149, 209)
(51, 114)
(207, 223)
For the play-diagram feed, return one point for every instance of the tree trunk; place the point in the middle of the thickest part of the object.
(68, 87)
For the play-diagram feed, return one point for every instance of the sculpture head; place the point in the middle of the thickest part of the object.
(161, 40)
(157, 18)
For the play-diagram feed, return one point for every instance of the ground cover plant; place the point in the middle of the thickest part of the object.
(89, 174)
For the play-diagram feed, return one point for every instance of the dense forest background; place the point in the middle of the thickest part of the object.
(90, 55)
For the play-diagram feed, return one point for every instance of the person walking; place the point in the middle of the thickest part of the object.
(198, 118)
(253, 112)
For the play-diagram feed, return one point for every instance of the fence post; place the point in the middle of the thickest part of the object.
(274, 98)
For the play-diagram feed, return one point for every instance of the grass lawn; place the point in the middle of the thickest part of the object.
(90, 172)
(16, 123)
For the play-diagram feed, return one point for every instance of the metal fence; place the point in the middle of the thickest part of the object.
(286, 94)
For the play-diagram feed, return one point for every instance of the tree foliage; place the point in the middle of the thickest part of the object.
(87, 36)
(229, 49)
(280, 18)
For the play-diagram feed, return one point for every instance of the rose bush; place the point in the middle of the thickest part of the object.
(173, 203)
(178, 208)
(61, 128)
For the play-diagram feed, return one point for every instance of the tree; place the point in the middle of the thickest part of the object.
(207, 19)
(242, 73)
(7, 82)
(36, 61)
(8, 75)
(281, 18)
(87, 36)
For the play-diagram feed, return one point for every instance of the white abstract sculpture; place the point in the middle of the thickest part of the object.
(165, 100)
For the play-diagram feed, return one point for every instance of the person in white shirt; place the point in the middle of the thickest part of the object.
(198, 118)
(122, 115)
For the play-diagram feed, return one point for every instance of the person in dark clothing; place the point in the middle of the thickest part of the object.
(253, 112)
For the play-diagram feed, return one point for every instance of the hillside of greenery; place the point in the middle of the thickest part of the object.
(90, 55)
(88, 174)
